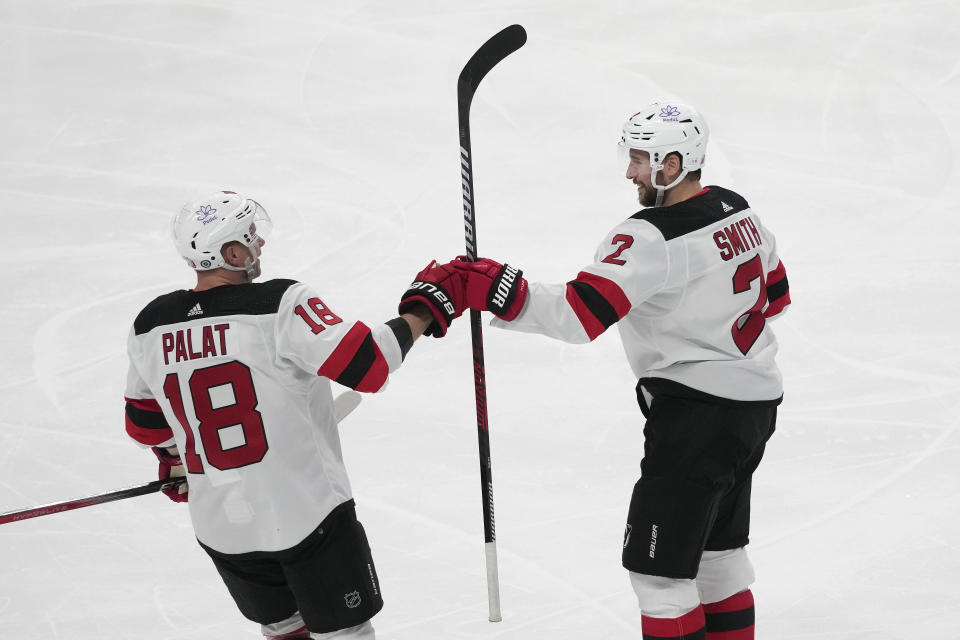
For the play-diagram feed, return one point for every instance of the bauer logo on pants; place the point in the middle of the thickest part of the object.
(352, 599)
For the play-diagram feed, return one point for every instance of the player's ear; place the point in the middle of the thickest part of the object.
(233, 254)
(672, 165)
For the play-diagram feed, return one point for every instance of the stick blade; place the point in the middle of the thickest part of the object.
(498, 47)
(345, 403)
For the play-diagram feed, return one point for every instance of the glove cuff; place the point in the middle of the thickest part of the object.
(438, 301)
(166, 458)
(507, 293)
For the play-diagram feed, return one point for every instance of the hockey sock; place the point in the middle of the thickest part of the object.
(689, 626)
(730, 619)
(298, 634)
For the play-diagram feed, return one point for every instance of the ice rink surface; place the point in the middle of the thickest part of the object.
(836, 119)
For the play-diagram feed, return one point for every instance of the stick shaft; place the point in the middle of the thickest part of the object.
(89, 501)
(486, 57)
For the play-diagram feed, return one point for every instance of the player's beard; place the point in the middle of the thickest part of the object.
(252, 269)
(647, 195)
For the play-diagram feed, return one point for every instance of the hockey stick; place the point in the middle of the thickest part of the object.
(343, 405)
(486, 58)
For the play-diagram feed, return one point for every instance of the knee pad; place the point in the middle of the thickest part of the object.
(664, 597)
(723, 574)
(291, 628)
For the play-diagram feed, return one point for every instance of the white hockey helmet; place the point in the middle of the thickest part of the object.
(663, 128)
(204, 225)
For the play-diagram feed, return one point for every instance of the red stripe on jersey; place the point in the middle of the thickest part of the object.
(145, 422)
(776, 308)
(595, 314)
(149, 437)
(777, 274)
(337, 361)
(610, 290)
(686, 627)
(591, 325)
(737, 602)
(777, 282)
(377, 375)
(145, 404)
(357, 361)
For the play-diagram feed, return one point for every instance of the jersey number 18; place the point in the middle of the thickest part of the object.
(241, 413)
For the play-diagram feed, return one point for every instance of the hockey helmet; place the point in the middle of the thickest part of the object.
(203, 226)
(663, 128)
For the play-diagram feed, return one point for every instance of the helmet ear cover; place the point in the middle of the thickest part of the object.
(204, 226)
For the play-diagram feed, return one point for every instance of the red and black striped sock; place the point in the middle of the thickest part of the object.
(730, 619)
(689, 626)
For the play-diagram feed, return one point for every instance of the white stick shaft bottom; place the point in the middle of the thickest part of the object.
(493, 582)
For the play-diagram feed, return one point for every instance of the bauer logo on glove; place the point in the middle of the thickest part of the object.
(441, 289)
(438, 294)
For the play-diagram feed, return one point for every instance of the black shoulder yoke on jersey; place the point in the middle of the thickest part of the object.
(255, 298)
(710, 205)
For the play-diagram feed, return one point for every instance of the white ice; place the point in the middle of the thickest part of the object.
(836, 119)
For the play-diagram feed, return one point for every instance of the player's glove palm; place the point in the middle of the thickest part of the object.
(171, 466)
(442, 289)
(491, 286)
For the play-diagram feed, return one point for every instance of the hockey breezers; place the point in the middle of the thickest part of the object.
(343, 405)
(486, 58)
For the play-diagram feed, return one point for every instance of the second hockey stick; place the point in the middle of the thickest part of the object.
(486, 58)
(343, 405)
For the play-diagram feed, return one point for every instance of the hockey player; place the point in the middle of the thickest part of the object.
(229, 383)
(692, 282)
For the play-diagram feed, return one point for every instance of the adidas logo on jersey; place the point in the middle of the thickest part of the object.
(196, 311)
(726, 208)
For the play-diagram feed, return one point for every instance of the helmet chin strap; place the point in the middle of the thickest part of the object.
(661, 189)
(249, 265)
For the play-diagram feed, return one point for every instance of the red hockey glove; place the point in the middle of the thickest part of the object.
(171, 466)
(491, 286)
(442, 289)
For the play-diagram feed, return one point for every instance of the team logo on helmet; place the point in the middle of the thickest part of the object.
(670, 113)
(206, 214)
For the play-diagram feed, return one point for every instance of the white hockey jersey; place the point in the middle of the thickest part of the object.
(238, 377)
(691, 287)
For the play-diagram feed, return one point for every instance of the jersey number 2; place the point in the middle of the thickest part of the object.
(748, 326)
(625, 243)
(247, 440)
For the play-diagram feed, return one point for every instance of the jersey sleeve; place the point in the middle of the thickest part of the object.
(629, 266)
(144, 418)
(778, 288)
(311, 335)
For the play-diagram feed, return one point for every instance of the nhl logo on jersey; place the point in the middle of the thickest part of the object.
(352, 599)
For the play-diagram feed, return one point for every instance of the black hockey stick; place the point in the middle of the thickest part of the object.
(89, 501)
(486, 58)
(343, 405)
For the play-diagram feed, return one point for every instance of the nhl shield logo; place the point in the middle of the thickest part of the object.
(626, 535)
(352, 599)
